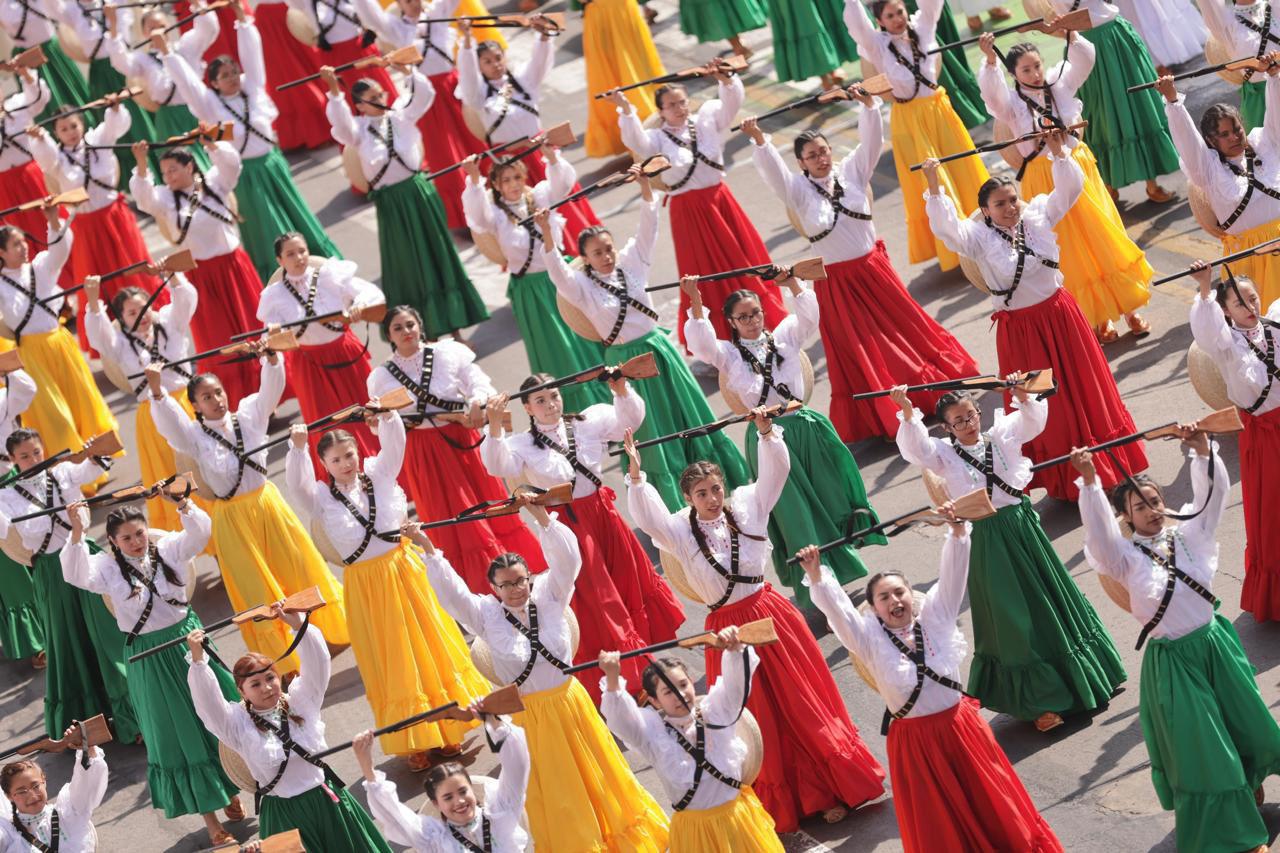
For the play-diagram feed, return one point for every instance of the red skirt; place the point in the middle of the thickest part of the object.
(446, 140)
(954, 790)
(442, 481)
(225, 43)
(814, 759)
(301, 123)
(1260, 487)
(876, 336)
(229, 288)
(577, 215)
(19, 185)
(322, 390)
(341, 52)
(1087, 409)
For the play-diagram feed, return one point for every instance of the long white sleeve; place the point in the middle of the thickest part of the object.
(300, 481)
(458, 601)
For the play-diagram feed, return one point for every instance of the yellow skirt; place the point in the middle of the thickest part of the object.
(410, 653)
(582, 796)
(926, 127)
(266, 554)
(740, 824)
(68, 408)
(1263, 269)
(1101, 267)
(618, 50)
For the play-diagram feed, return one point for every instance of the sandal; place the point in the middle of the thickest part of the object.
(1048, 721)
(1106, 334)
(999, 13)
(1138, 325)
(39, 661)
(419, 761)
(1259, 796)
(975, 23)
(1158, 194)
(234, 810)
(835, 814)
(218, 839)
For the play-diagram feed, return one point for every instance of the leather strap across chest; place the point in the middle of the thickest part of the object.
(243, 119)
(1174, 574)
(29, 291)
(292, 748)
(159, 337)
(536, 649)
(421, 388)
(486, 835)
(765, 369)
(1046, 113)
(915, 65)
(1265, 37)
(197, 203)
(86, 166)
(27, 12)
(570, 453)
(692, 147)
(389, 142)
(1250, 161)
(428, 46)
(1018, 242)
(55, 833)
(237, 450)
(535, 235)
(508, 93)
(923, 671)
(731, 574)
(52, 498)
(1268, 358)
(149, 584)
(338, 12)
(986, 467)
(370, 524)
(701, 765)
(308, 302)
(626, 302)
(838, 208)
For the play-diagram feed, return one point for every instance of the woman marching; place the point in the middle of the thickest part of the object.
(1173, 31)
(1038, 324)
(444, 473)
(1229, 324)
(1102, 268)
(30, 821)
(875, 335)
(145, 581)
(1244, 28)
(301, 122)
(824, 497)
(723, 20)
(410, 655)
(710, 230)
(21, 625)
(262, 549)
(1211, 738)
(275, 733)
(550, 345)
(610, 290)
(620, 602)
(1237, 172)
(412, 233)
(953, 786)
(814, 760)
(270, 203)
(29, 24)
(808, 41)
(341, 38)
(618, 50)
(582, 794)
(1041, 652)
(20, 177)
(922, 122)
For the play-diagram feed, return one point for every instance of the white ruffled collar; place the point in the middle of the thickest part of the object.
(30, 820)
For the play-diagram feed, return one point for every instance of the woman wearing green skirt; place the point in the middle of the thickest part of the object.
(609, 289)
(1238, 27)
(1040, 651)
(145, 581)
(60, 74)
(824, 497)
(269, 201)
(954, 73)
(1210, 736)
(722, 20)
(293, 792)
(810, 40)
(550, 345)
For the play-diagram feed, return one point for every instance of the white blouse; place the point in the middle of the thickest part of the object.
(789, 339)
(873, 45)
(1205, 169)
(454, 376)
(711, 121)
(944, 645)
(643, 730)
(97, 171)
(68, 477)
(337, 289)
(1195, 545)
(1100, 11)
(1008, 433)
(1245, 375)
(601, 306)
(16, 395)
(434, 41)
(494, 98)
(370, 135)
(208, 236)
(147, 67)
(19, 112)
(995, 256)
(132, 353)
(262, 751)
(503, 806)
(27, 22)
(751, 506)
(1064, 80)
(851, 238)
(75, 804)
(337, 15)
(515, 456)
(41, 274)
(486, 217)
(218, 464)
(88, 23)
(99, 573)
(482, 615)
(1222, 17)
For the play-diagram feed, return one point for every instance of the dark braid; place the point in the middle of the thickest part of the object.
(701, 471)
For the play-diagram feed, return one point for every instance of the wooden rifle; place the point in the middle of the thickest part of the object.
(715, 426)
(758, 633)
(180, 261)
(175, 487)
(408, 55)
(124, 94)
(1070, 22)
(638, 367)
(877, 86)
(368, 314)
(390, 402)
(1221, 422)
(106, 444)
(92, 732)
(79, 195)
(282, 842)
(31, 58)
(281, 341)
(996, 146)
(809, 269)
(724, 65)
(550, 23)
(651, 166)
(224, 132)
(181, 22)
(1249, 63)
(554, 496)
(1035, 382)
(1269, 247)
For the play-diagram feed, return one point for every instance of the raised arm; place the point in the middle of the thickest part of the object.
(249, 44)
(226, 164)
(916, 445)
(772, 169)
(127, 62)
(639, 249)
(1271, 123)
(258, 407)
(634, 135)
(540, 63)
(1205, 525)
(399, 823)
(198, 97)
(1080, 58)
(775, 465)
(563, 275)
(959, 235)
(300, 480)
(183, 297)
(649, 513)
(194, 42)
(1198, 160)
(458, 601)
(1209, 327)
(859, 167)
(1068, 183)
(341, 122)
(87, 787)
(946, 597)
(421, 96)
(498, 458)
(188, 543)
(725, 108)
(470, 81)
(858, 20)
(20, 393)
(513, 756)
(996, 93)
(78, 569)
(726, 698)
(801, 324)
(48, 264)
(373, 16)
(215, 712)
(115, 123)
(145, 194)
(43, 150)
(700, 337)
(174, 425)
(477, 209)
(561, 176)
(624, 717)
(1104, 545)
(850, 627)
(564, 559)
(386, 465)
(306, 693)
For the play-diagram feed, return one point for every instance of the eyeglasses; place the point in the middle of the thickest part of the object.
(961, 423)
(747, 318)
(817, 155)
(518, 583)
(35, 788)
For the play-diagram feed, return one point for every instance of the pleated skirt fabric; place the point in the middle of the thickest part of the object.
(329, 821)
(740, 824)
(446, 141)
(803, 45)
(270, 205)
(156, 459)
(1253, 104)
(1260, 487)
(329, 377)
(63, 77)
(954, 74)
(230, 289)
(717, 20)
(618, 50)
(1263, 268)
(301, 123)
(21, 627)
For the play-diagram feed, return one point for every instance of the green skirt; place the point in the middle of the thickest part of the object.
(270, 205)
(86, 672)
(822, 495)
(674, 402)
(803, 45)
(551, 346)
(105, 79)
(1253, 103)
(420, 265)
(21, 629)
(954, 73)
(719, 20)
(175, 120)
(66, 84)
(1038, 643)
(326, 826)
(1128, 133)
(183, 770)
(1210, 736)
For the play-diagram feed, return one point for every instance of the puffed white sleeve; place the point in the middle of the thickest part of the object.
(541, 61)
(994, 87)
(564, 560)
(145, 195)
(959, 235)
(947, 595)
(1068, 183)
(1205, 525)
(1080, 58)
(1209, 326)
(1271, 123)
(258, 407)
(300, 481)
(700, 337)
(858, 20)
(421, 96)
(226, 163)
(634, 136)
(915, 444)
(458, 601)
(513, 756)
(174, 425)
(773, 171)
(249, 45)
(198, 97)
(101, 332)
(775, 466)
(561, 176)
(1027, 420)
(850, 627)
(206, 695)
(48, 265)
(190, 542)
(386, 464)
(86, 789)
(639, 249)
(624, 717)
(342, 123)
(470, 81)
(78, 569)
(801, 324)
(203, 33)
(375, 17)
(122, 59)
(861, 165)
(399, 823)
(498, 458)
(724, 701)
(44, 151)
(1198, 161)
(306, 693)
(183, 297)
(477, 209)
(730, 95)
(21, 391)
(650, 514)
(1104, 545)
(563, 277)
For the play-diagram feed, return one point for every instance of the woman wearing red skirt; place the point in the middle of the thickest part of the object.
(710, 230)
(1039, 325)
(194, 208)
(225, 43)
(619, 597)
(875, 335)
(814, 760)
(330, 370)
(301, 123)
(343, 39)
(443, 472)
(953, 786)
(20, 177)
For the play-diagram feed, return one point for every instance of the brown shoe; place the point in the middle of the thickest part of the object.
(1158, 194)
(419, 761)
(1138, 326)
(234, 810)
(1048, 721)
(221, 837)
(975, 23)
(1106, 334)
(39, 661)
(999, 13)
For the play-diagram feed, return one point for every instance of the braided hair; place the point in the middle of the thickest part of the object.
(118, 518)
(667, 665)
(252, 664)
(1212, 117)
(13, 768)
(509, 560)
(704, 470)
(731, 302)
(497, 172)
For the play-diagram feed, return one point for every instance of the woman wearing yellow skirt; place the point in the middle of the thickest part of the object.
(582, 795)
(1104, 270)
(410, 654)
(618, 50)
(263, 550)
(68, 408)
(922, 122)
(1222, 161)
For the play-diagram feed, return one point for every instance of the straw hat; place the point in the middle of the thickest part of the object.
(673, 570)
(1217, 53)
(749, 730)
(1206, 379)
(1001, 132)
(573, 316)
(970, 267)
(184, 462)
(1202, 210)
(320, 536)
(13, 547)
(483, 658)
(236, 769)
(735, 404)
(302, 27)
